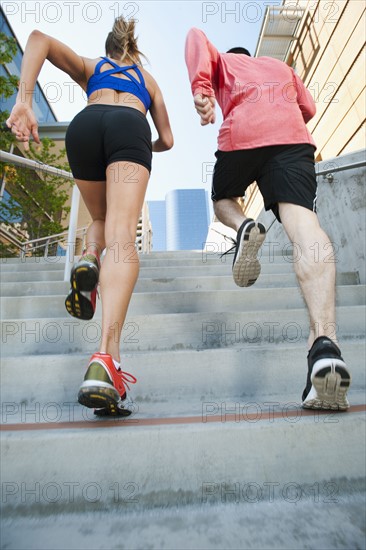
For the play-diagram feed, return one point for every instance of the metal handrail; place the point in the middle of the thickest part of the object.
(328, 171)
(72, 231)
(22, 246)
(34, 164)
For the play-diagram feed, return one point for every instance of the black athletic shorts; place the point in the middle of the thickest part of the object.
(102, 134)
(284, 173)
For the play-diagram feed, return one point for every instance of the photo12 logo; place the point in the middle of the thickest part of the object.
(69, 11)
(238, 12)
(68, 492)
(269, 491)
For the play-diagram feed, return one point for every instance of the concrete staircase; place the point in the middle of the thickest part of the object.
(217, 453)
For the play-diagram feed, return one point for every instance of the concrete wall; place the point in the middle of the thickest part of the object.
(341, 208)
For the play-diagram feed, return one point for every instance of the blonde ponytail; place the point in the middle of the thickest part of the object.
(121, 41)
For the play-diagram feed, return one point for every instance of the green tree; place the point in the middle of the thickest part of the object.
(8, 85)
(38, 199)
(35, 203)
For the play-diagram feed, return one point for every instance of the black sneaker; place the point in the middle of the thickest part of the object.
(81, 300)
(328, 377)
(246, 266)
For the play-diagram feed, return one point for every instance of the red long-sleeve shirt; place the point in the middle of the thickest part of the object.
(263, 101)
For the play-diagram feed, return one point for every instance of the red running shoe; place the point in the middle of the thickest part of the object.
(104, 386)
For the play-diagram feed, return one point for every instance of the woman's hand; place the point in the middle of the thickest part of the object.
(205, 107)
(23, 124)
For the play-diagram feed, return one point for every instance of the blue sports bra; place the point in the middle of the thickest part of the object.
(100, 80)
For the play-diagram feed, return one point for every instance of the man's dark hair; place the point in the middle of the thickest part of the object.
(239, 50)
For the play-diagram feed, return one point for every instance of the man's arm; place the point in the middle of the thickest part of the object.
(202, 62)
(304, 99)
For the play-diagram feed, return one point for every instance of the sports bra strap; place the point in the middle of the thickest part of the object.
(119, 69)
(99, 65)
(140, 75)
(108, 79)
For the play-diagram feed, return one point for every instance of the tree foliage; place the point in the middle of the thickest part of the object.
(37, 198)
(34, 203)
(8, 85)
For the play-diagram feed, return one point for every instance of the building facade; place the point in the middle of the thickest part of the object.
(157, 213)
(41, 107)
(12, 226)
(329, 56)
(187, 219)
(325, 44)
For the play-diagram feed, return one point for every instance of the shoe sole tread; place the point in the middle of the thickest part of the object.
(246, 268)
(330, 382)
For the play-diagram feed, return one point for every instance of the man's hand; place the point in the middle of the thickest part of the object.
(23, 124)
(205, 107)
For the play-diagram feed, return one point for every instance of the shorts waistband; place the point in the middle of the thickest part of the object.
(107, 107)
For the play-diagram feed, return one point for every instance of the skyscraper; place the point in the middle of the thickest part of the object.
(187, 219)
(158, 224)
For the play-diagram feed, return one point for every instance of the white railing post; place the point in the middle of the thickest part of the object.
(71, 238)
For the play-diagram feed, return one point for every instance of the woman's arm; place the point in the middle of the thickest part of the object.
(40, 47)
(160, 118)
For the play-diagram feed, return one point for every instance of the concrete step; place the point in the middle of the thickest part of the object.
(202, 270)
(270, 280)
(172, 331)
(30, 276)
(182, 457)
(166, 272)
(238, 517)
(245, 373)
(209, 270)
(270, 248)
(70, 415)
(167, 256)
(216, 407)
(151, 303)
(148, 262)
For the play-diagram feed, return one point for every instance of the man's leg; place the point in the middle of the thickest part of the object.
(328, 377)
(250, 237)
(229, 212)
(314, 267)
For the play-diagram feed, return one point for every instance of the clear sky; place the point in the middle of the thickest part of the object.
(162, 27)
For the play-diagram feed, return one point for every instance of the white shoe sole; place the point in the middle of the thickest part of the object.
(330, 380)
(247, 268)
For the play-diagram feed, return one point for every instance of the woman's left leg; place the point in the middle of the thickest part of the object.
(126, 188)
(94, 197)
(81, 300)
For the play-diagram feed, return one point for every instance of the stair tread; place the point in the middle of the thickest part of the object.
(199, 404)
(183, 301)
(212, 523)
(172, 413)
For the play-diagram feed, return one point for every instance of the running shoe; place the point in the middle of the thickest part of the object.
(104, 386)
(246, 266)
(328, 377)
(81, 300)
